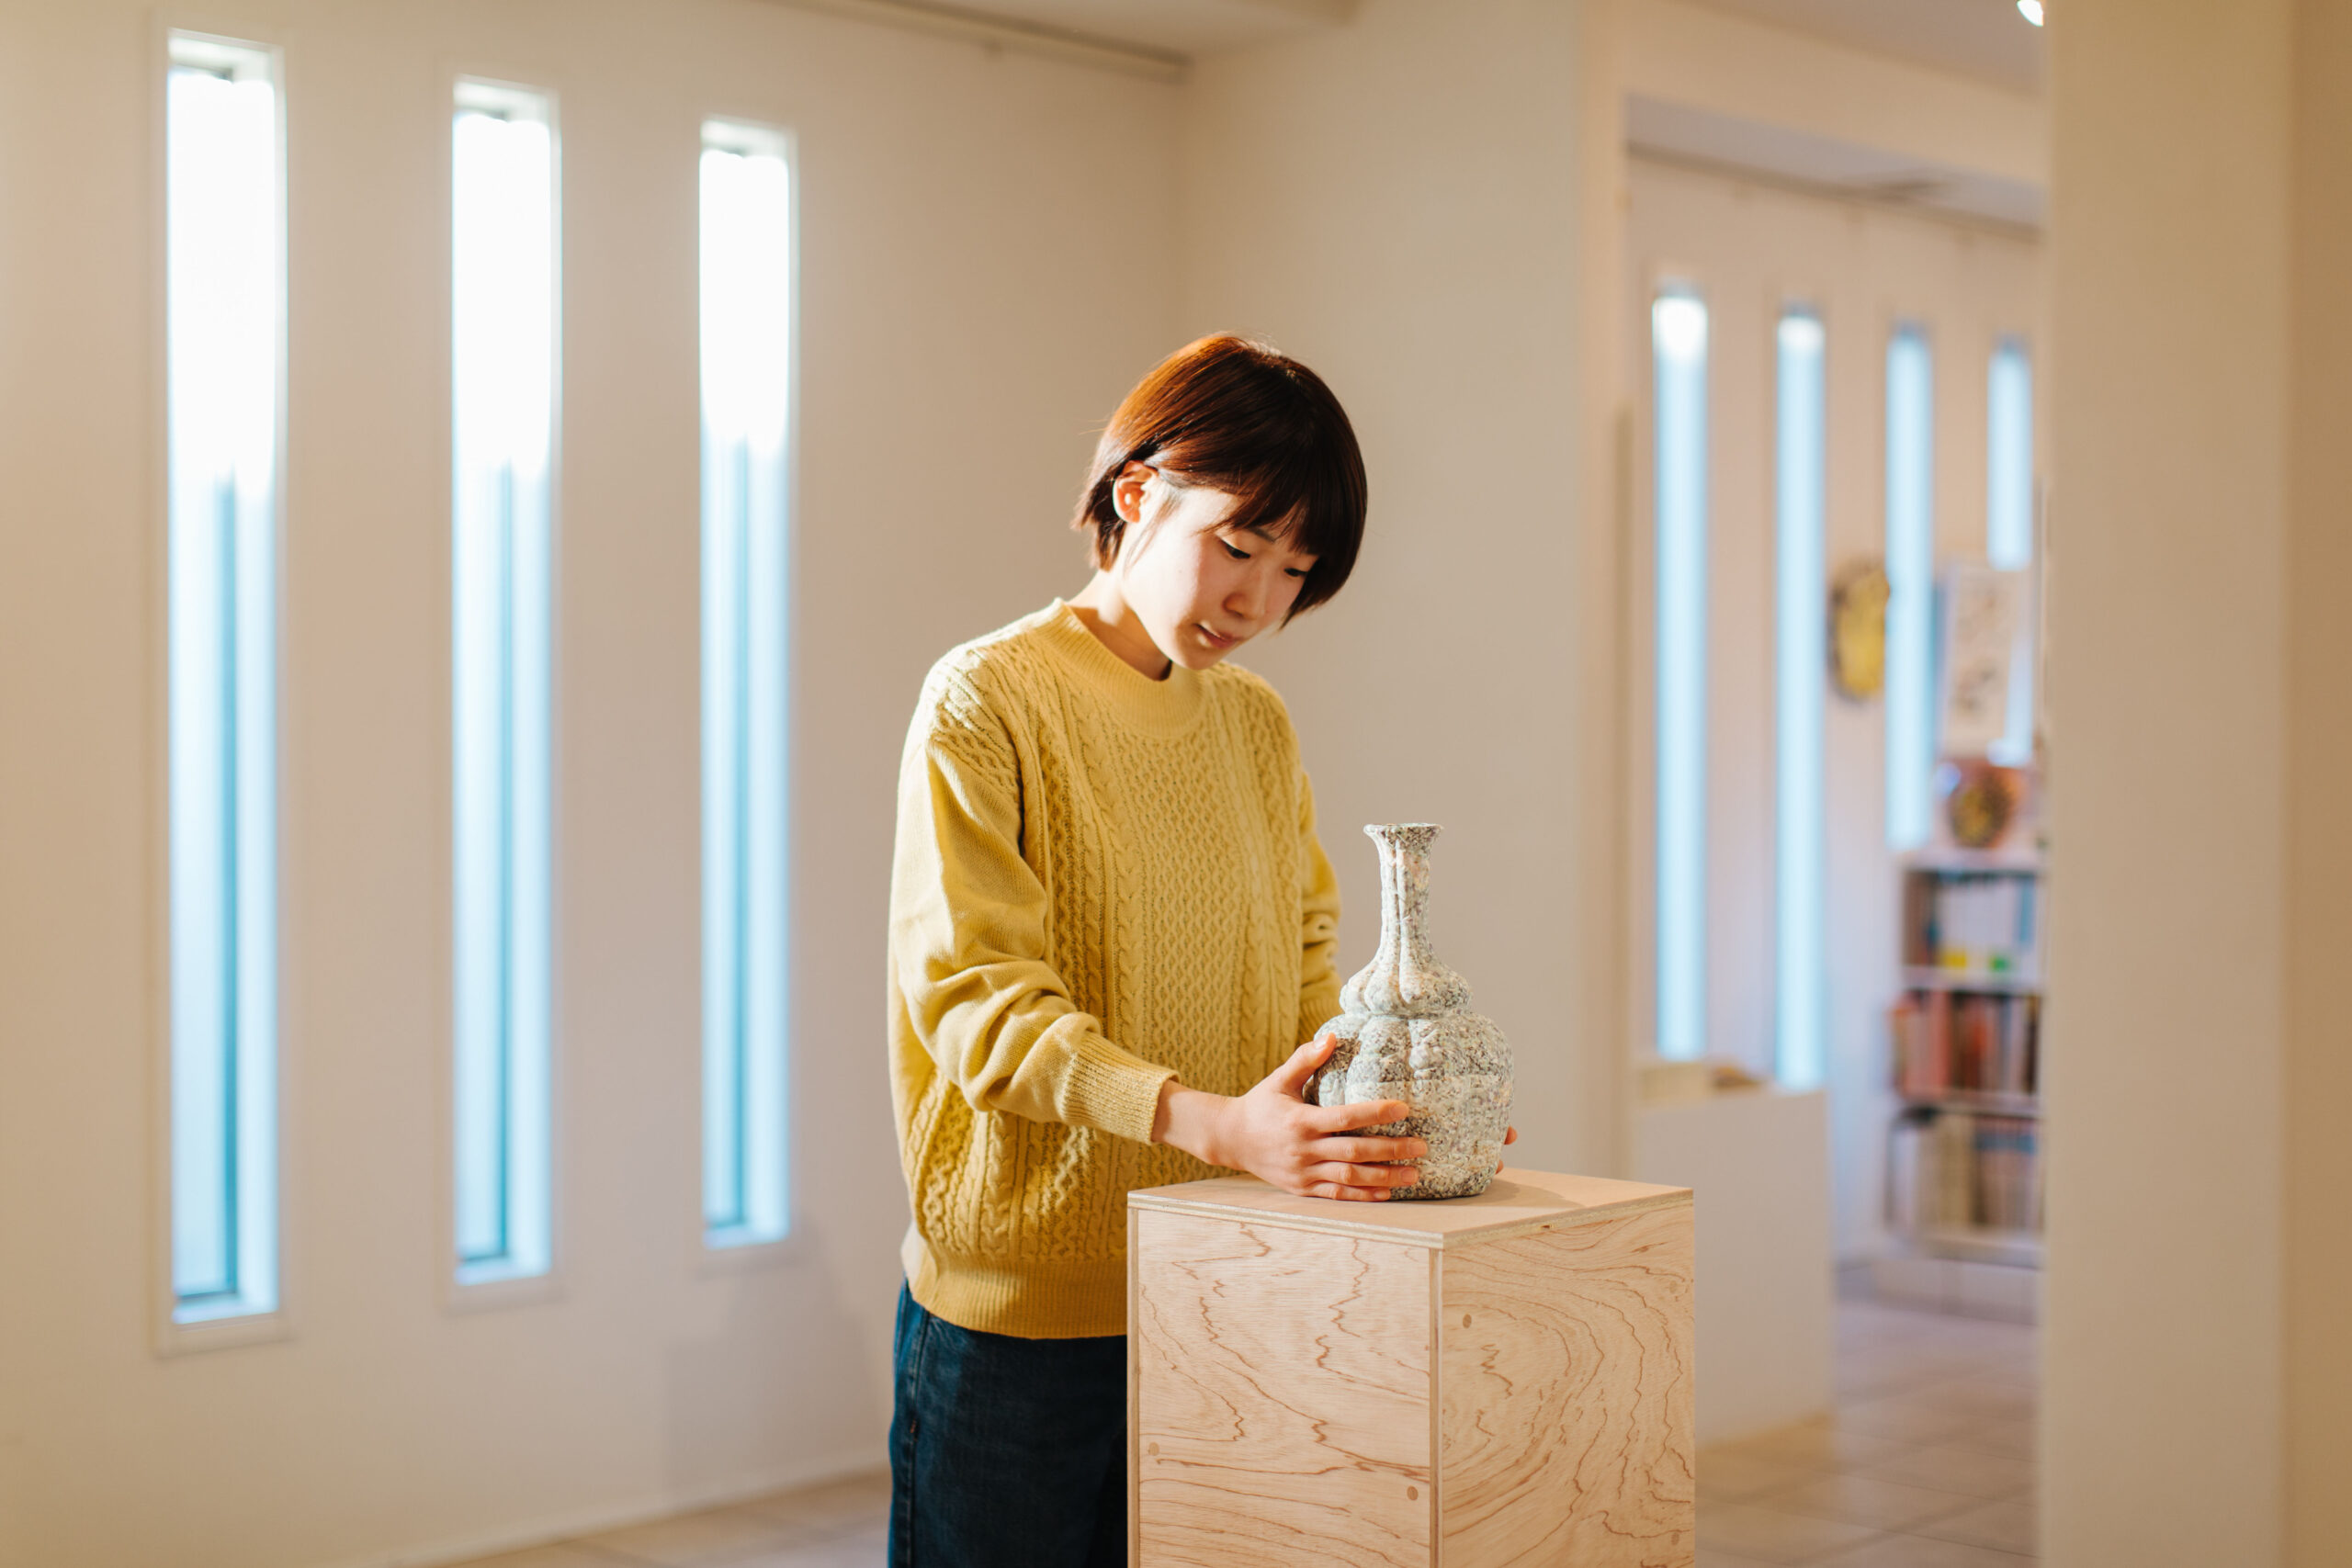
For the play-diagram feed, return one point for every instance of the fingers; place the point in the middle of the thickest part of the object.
(1345, 1175)
(1292, 1075)
(1345, 1194)
(1362, 1151)
(1349, 1118)
(1510, 1134)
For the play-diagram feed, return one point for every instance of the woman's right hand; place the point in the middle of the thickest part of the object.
(1274, 1135)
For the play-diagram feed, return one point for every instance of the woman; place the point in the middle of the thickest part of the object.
(1110, 929)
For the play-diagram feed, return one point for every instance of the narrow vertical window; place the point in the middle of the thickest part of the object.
(1911, 582)
(2008, 522)
(225, 314)
(747, 292)
(1802, 663)
(502, 351)
(1679, 347)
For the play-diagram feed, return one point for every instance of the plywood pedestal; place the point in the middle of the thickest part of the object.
(1500, 1381)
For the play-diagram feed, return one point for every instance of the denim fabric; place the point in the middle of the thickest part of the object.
(1005, 1452)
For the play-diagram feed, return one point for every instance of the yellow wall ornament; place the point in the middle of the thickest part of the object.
(1858, 630)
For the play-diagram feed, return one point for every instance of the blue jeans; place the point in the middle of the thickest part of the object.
(1005, 1452)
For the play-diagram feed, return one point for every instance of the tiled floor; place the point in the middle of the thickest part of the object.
(1926, 1462)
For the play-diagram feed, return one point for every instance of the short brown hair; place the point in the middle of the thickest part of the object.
(1241, 417)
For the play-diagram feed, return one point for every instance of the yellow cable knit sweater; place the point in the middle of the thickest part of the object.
(1101, 880)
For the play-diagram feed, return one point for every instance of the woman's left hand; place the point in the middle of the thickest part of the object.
(1511, 1137)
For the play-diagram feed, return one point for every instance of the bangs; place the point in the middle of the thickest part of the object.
(1237, 416)
(1288, 504)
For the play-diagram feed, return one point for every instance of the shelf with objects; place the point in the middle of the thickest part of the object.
(1964, 1151)
(1965, 1143)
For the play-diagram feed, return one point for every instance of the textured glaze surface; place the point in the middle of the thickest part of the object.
(1406, 1032)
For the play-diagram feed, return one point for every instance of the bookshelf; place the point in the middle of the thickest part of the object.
(1964, 1145)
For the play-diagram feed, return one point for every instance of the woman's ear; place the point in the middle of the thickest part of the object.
(1127, 491)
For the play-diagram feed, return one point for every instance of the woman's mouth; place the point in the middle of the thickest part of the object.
(1218, 640)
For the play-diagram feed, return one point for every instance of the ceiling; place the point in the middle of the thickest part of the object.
(1985, 38)
(1173, 26)
(1679, 132)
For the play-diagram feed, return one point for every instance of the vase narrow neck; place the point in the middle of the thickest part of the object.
(1405, 978)
(1404, 904)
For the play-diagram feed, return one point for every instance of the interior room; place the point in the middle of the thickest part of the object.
(1855, 513)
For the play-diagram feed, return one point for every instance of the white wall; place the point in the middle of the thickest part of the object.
(2199, 1399)
(1399, 204)
(1751, 248)
(971, 310)
(2319, 911)
(1758, 1161)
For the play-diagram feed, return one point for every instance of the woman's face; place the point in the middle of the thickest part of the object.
(1199, 588)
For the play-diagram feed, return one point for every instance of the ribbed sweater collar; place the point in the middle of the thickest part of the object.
(1160, 706)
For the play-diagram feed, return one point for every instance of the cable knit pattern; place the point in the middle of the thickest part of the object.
(1101, 880)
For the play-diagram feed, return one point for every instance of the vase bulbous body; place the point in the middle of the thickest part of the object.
(1406, 1032)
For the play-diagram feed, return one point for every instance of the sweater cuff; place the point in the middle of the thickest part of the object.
(1113, 1091)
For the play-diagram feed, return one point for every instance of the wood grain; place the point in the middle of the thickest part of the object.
(1565, 1387)
(1280, 1396)
(1497, 1383)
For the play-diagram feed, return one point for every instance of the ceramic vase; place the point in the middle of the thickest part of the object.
(1407, 1033)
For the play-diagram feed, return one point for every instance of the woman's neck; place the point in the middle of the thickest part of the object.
(1105, 611)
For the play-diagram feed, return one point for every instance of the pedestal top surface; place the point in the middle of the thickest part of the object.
(1519, 1200)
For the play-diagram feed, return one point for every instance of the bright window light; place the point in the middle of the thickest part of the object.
(2030, 10)
(503, 353)
(1911, 581)
(1679, 347)
(1802, 661)
(224, 309)
(747, 294)
(2009, 523)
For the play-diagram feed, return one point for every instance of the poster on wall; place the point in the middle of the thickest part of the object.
(1981, 607)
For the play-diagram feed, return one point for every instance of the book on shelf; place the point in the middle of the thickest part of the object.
(1904, 1163)
(1953, 1152)
(1951, 1171)
(1973, 922)
(1950, 1042)
(2008, 1171)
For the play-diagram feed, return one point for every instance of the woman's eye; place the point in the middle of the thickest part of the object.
(1237, 555)
(1298, 571)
